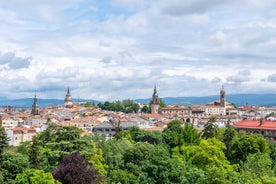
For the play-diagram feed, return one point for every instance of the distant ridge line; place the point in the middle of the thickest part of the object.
(237, 99)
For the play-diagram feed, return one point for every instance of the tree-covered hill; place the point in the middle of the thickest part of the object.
(179, 154)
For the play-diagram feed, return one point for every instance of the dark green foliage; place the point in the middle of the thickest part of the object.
(270, 114)
(176, 135)
(113, 151)
(56, 133)
(228, 137)
(136, 133)
(173, 134)
(176, 155)
(140, 135)
(149, 139)
(272, 148)
(145, 109)
(234, 105)
(4, 141)
(161, 102)
(123, 177)
(190, 134)
(245, 144)
(257, 169)
(210, 129)
(152, 164)
(138, 153)
(13, 164)
(35, 177)
(88, 104)
(67, 133)
(58, 141)
(74, 170)
(34, 153)
(118, 131)
(127, 106)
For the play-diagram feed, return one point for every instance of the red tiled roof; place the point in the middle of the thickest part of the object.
(255, 124)
(22, 128)
(154, 116)
(174, 108)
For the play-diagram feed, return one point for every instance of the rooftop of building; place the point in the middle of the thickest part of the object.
(256, 124)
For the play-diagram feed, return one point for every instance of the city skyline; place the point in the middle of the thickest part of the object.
(118, 49)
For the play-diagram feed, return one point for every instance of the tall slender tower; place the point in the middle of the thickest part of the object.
(155, 105)
(223, 97)
(68, 99)
(35, 107)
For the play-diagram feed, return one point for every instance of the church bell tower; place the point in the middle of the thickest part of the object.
(223, 97)
(155, 105)
(68, 99)
(35, 107)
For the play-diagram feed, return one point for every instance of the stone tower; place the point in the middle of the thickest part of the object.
(35, 107)
(155, 105)
(68, 99)
(223, 97)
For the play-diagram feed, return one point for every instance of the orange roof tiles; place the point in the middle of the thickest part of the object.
(255, 124)
(174, 108)
(154, 116)
(22, 128)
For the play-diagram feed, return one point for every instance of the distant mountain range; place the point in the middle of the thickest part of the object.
(237, 99)
(28, 102)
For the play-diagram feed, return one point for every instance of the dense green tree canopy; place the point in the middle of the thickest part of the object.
(127, 106)
(176, 155)
(244, 144)
(32, 176)
(13, 164)
(210, 129)
(4, 140)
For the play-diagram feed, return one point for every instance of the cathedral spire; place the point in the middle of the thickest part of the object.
(35, 107)
(155, 91)
(68, 91)
(155, 96)
(155, 101)
(68, 99)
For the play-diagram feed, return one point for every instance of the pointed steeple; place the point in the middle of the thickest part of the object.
(155, 96)
(68, 91)
(155, 91)
(155, 101)
(68, 99)
(35, 107)
(35, 99)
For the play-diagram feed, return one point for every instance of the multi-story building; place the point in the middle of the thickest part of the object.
(9, 122)
(215, 110)
(264, 127)
(175, 111)
(20, 134)
(109, 128)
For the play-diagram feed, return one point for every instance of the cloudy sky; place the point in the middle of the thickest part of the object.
(118, 49)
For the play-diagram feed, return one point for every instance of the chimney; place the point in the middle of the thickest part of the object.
(261, 121)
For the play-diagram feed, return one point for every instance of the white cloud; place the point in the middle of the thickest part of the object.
(115, 50)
